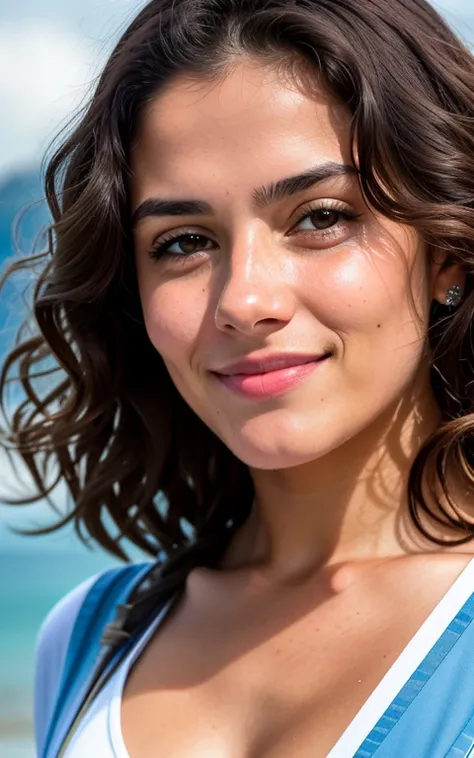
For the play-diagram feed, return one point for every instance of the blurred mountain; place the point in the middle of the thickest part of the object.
(19, 196)
(23, 214)
(21, 193)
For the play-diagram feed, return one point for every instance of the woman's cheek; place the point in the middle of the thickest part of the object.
(173, 318)
(351, 292)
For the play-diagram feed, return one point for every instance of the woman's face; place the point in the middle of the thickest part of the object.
(237, 261)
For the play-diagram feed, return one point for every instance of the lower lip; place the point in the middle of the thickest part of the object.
(270, 384)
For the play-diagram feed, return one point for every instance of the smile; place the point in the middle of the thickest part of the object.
(268, 378)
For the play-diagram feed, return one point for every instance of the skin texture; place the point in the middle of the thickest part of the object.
(327, 564)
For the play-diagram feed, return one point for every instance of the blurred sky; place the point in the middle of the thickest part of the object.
(50, 52)
(51, 49)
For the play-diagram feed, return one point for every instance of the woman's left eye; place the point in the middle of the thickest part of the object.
(322, 219)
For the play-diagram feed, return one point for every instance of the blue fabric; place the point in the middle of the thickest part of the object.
(111, 589)
(433, 714)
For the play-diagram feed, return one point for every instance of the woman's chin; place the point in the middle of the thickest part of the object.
(290, 442)
(272, 453)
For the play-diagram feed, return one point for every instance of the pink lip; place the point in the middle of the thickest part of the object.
(270, 377)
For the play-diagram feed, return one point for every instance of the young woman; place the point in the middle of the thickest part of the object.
(259, 301)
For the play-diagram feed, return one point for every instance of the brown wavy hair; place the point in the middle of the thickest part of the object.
(137, 462)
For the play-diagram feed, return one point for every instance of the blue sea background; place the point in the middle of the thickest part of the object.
(35, 572)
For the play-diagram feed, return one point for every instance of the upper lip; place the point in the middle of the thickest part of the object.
(264, 364)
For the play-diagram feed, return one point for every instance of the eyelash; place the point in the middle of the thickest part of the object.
(159, 249)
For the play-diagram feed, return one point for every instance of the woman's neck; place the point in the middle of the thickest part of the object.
(348, 505)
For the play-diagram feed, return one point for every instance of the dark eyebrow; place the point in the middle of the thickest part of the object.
(275, 192)
(262, 197)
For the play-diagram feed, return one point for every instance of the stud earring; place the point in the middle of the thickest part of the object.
(454, 296)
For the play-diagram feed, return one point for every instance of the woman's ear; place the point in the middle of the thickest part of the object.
(448, 280)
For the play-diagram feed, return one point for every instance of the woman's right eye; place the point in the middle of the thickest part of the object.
(181, 245)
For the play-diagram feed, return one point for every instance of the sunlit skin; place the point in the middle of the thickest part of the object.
(326, 583)
(262, 281)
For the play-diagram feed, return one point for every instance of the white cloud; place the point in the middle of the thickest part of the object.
(44, 71)
(49, 54)
(97, 18)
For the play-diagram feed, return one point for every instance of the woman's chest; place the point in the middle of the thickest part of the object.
(263, 685)
(295, 708)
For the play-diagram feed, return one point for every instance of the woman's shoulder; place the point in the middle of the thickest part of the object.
(57, 626)
(59, 633)
(50, 652)
(55, 631)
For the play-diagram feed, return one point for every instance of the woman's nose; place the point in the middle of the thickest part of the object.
(257, 297)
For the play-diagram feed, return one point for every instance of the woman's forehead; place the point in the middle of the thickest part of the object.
(243, 126)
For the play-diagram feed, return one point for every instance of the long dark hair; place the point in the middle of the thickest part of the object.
(129, 449)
